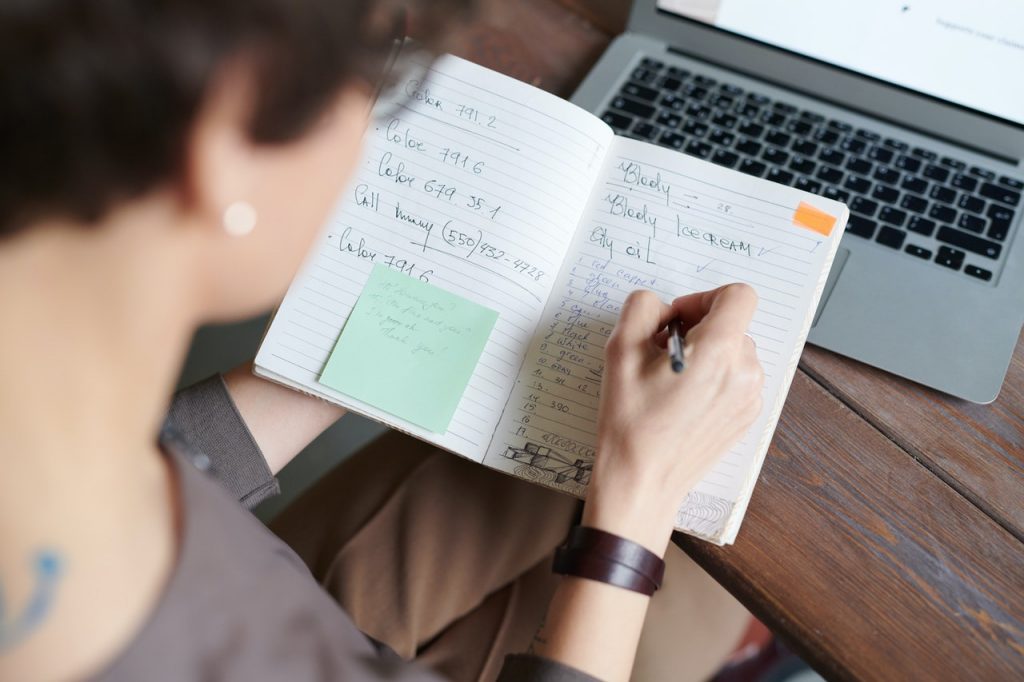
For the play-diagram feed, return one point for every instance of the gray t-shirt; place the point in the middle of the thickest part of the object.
(240, 604)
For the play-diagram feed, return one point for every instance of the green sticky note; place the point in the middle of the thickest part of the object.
(409, 348)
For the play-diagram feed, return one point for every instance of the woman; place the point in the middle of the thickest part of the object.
(167, 164)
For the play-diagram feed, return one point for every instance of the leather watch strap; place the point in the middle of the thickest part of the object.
(597, 555)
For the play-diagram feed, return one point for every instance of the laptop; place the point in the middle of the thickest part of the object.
(911, 113)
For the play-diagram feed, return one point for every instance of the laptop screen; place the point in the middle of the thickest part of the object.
(970, 53)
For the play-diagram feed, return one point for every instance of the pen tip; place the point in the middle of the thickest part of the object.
(677, 366)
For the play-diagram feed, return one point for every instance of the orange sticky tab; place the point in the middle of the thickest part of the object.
(813, 219)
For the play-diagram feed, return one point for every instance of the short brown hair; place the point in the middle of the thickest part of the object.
(97, 96)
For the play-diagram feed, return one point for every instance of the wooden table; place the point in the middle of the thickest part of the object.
(885, 538)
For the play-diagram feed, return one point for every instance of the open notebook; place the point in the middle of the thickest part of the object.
(524, 203)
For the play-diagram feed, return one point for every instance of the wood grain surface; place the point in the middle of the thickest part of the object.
(885, 538)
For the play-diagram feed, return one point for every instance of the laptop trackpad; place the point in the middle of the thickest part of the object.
(842, 255)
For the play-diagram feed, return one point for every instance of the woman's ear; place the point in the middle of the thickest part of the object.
(218, 172)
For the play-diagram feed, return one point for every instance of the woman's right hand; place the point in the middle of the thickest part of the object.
(659, 432)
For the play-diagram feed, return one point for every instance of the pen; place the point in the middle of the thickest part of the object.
(675, 347)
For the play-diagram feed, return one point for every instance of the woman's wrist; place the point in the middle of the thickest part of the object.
(645, 518)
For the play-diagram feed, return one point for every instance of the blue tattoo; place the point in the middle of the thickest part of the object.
(48, 567)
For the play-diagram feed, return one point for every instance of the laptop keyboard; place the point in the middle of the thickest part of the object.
(904, 197)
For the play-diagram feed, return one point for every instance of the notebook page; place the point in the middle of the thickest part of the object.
(667, 222)
(473, 182)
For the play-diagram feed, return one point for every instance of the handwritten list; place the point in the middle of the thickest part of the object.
(472, 182)
(651, 225)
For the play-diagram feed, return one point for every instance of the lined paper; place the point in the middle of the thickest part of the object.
(662, 221)
(473, 182)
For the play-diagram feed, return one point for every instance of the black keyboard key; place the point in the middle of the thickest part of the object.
(632, 106)
(982, 173)
(896, 144)
(830, 175)
(912, 184)
(868, 135)
(880, 154)
(723, 157)
(999, 218)
(751, 167)
(919, 251)
(914, 204)
(998, 193)
(668, 119)
(644, 75)
(805, 147)
(699, 111)
(840, 126)
(889, 176)
(972, 223)
(777, 138)
(861, 226)
(669, 83)
(783, 177)
(969, 242)
(674, 103)
(677, 72)
(784, 108)
(798, 127)
(617, 120)
(857, 184)
(724, 120)
(862, 166)
(730, 89)
(836, 193)
(721, 137)
(646, 130)
(673, 140)
(772, 118)
(775, 156)
(807, 185)
(951, 258)
(955, 164)
(747, 110)
(832, 156)
(696, 128)
(893, 216)
(891, 237)
(853, 145)
(933, 172)
(720, 102)
(640, 91)
(757, 98)
(863, 206)
(997, 212)
(885, 194)
(980, 273)
(971, 203)
(652, 63)
(943, 194)
(923, 154)
(825, 136)
(750, 129)
(706, 81)
(921, 225)
(812, 116)
(1012, 183)
(964, 182)
(908, 163)
(699, 149)
(748, 147)
(803, 165)
(942, 213)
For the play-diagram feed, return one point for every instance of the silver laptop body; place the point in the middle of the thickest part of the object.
(903, 312)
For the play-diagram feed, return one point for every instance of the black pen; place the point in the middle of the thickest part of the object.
(675, 346)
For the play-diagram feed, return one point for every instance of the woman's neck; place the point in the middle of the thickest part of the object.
(96, 322)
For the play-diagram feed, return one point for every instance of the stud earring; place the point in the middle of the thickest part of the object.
(239, 219)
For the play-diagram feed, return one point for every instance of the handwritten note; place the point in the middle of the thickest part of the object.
(661, 221)
(471, 181)
(409, 348)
